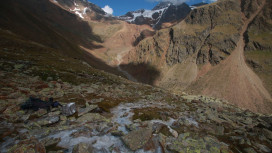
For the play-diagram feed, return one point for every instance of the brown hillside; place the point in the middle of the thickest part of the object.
(48, 24)
(205, 54)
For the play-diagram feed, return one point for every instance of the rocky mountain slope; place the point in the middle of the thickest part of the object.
(113, 114)
(162, 14)
(199, 54)
(45, 23)
(43, 55)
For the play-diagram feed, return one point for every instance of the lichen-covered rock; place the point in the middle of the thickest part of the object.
(50, 141)
(189, 142)
(83, 148)
(31, 145)
(91, 117)
(48, 120)
(82, 111)
(138, 138)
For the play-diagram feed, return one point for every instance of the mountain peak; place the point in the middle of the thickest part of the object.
(162, 5)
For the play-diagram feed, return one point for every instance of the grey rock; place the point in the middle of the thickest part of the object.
(249, 150)
(48, 120)
(263, 148)
(91, 117)
(69, 109)
(97, 100)
(82, 111)
(50, 141)
(219, 130)
(138, 138)
(117, 133)
(267, 134)
(83, 148)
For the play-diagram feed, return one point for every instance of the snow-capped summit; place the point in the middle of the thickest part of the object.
(161, 13)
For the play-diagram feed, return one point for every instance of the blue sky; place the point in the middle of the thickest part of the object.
(121, 7)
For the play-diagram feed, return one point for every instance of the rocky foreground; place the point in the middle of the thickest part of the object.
(116, 115)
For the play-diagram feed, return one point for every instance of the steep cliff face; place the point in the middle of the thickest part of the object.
(213, 38)
(204, 54)
(209, 33)
(258, 48)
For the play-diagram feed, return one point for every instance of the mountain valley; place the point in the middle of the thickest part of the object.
(176, 78)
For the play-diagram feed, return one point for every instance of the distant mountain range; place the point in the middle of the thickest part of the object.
(164, 12)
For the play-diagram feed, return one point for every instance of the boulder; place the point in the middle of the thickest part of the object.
(138, 138)
(48, 120)
(267, 134)
(83, 148)
(189, 142)
(82, 111)
(69, 109)
(117, 133)
(28, 146)
(50, 141)
(249, 150)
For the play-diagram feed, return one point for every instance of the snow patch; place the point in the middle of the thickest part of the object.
(85, 10)
(76, 4)
(79, 14)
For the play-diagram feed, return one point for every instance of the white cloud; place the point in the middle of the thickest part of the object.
(108, 9)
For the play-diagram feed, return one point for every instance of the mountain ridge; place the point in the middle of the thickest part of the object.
(162, 13)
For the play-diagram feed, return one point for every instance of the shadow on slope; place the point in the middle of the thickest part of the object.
(142, 72)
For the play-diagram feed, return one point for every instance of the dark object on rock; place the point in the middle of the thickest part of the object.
(54, 103)
(36, 104)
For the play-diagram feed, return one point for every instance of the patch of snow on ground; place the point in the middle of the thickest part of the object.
(85, 10)
(75, 9)
(79, 14)
(76, 4)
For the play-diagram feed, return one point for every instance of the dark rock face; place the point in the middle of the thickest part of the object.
(259, 32)
(173, 13)
(258, 38)
(162, 13)
(144, 34)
